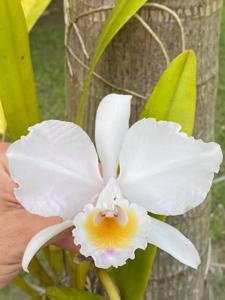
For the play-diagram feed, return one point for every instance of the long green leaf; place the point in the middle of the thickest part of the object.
(119, 16)
(70, 294)
(80, 271)
(3, 124)
(132, 278)
(174, 96)
(54, 256)
(173, 99)
(33, 10)
(17, 88)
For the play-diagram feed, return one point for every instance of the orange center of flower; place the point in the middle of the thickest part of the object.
(109, 233)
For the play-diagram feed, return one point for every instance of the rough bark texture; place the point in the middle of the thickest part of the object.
(134, 61)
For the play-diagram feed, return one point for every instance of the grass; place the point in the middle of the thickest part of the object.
(47, 54)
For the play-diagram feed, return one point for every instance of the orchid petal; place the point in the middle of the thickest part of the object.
(40, 239)
(56, 167)
(172, 241)
(112, 123)
(164, 170)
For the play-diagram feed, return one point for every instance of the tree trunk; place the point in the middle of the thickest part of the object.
(134, 61)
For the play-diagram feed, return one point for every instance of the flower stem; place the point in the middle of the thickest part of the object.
(108, 284)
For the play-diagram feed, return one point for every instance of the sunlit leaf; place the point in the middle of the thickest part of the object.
(33, 9)
(54, 256)
(80, 271)
(173, 99)
(55, 293)
(136, 272)
(119, 16)
(174, 96)
(3, 124)
(17, 88)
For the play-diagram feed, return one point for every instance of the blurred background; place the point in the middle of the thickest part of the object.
(47, 40)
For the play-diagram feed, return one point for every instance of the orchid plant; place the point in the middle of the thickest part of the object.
(150, 167)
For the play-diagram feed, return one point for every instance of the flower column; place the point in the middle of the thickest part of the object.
(134, 61)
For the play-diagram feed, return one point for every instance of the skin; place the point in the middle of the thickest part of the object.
(18, 226)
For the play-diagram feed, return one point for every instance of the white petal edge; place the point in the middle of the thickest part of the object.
(112, 123)
(164, 170)
(172, 241)
(40, 239)
(102, 257)
(56, 167)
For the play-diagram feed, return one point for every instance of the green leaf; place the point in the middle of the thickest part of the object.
(173, 99)
(108, 284)
(55, 293)
(17, 88)
(23, 285)
(119, 16)
(80, 271)
(54, 256)
(174, 96)
(3, 124)
(38, 272)
(33, 10)
(132, 278)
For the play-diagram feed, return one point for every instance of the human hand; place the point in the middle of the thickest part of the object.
(18, 226)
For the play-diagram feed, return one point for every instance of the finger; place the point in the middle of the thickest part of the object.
(6, 184)
(3, 158)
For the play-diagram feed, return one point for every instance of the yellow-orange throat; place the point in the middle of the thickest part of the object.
(109, 233)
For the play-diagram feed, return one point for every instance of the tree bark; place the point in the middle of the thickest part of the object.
(134, 61)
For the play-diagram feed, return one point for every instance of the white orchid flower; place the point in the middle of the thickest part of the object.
(149, 167)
